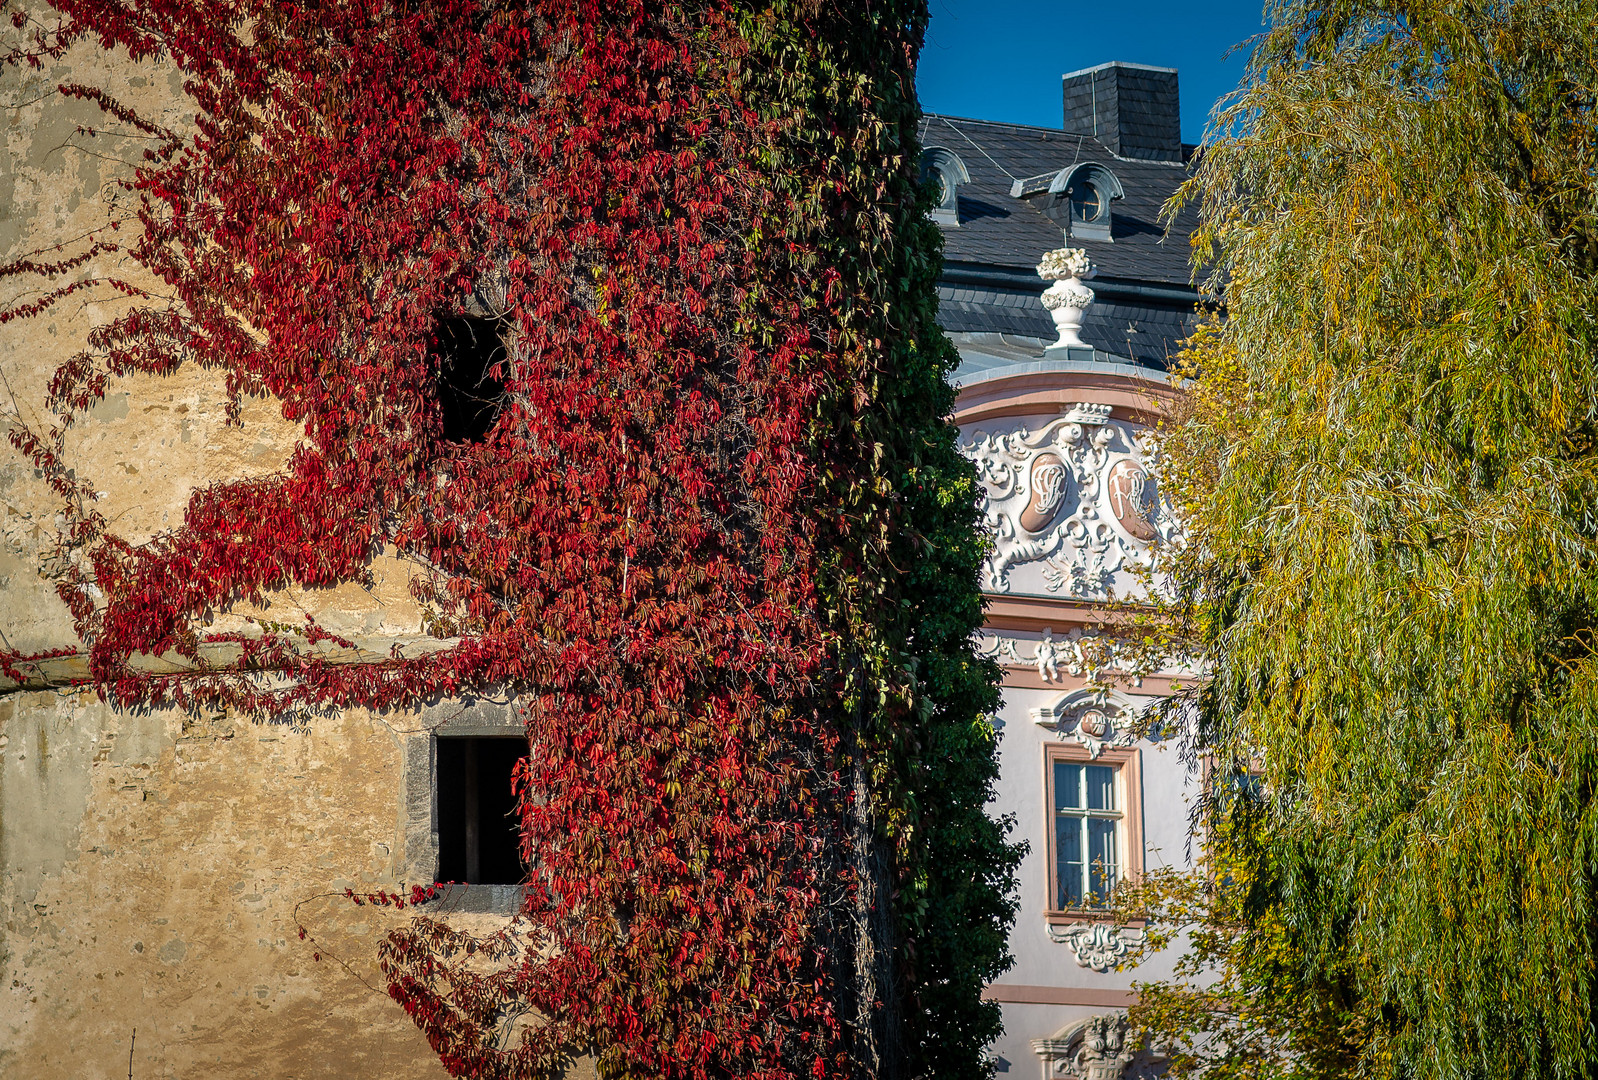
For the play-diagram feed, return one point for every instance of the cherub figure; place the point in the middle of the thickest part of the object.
(1047, 657)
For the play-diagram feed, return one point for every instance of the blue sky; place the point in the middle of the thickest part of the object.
(1003, 61)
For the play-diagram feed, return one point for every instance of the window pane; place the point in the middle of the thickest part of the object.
(1085, 201)
(1103, 863)
(1067, 786)
(1101, 787)
(1068, 862)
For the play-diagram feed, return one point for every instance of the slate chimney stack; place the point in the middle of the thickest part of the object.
(1131, 108)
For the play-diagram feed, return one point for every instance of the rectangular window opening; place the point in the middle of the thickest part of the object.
(471, 376)
(1095, 834)
(479, 833)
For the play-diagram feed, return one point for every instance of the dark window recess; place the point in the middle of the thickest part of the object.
(479, 840)
(470, 392)
(1085, 203)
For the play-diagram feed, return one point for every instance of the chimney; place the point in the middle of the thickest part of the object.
(1131, 108)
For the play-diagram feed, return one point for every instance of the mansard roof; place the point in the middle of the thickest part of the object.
(989, 291)
(999, 230)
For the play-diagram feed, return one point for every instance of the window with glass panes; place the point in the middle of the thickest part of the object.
(1086, 202)
(1088, 833)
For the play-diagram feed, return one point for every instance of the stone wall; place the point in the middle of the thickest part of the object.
(155, 868)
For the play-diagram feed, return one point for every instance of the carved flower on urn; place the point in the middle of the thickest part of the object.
(1065, 263)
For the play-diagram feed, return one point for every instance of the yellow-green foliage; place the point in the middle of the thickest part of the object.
(1388, 469)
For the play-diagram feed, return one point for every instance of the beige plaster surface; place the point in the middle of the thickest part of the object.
(151, 442)
(154, 873)
(155, 867)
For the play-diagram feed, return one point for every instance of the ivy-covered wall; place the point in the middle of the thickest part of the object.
(155, 867)
(718, 538)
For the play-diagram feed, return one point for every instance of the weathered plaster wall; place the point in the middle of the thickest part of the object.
(155, 868)
(154, 872)
(57, 185)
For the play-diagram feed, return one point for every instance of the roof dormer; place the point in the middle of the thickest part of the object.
(943, 168)
(1076, 198)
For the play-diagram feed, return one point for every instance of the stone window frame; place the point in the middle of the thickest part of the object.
(1128, 765)
(469, 718)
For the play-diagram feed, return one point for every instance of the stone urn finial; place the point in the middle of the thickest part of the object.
(1067, 298)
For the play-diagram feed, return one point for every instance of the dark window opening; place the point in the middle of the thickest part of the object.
(479, 836)
(1086, 203)
(470, 391)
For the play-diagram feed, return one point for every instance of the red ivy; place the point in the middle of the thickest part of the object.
(634, 548)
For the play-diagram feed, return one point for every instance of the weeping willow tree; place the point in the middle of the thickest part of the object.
(1389, 470)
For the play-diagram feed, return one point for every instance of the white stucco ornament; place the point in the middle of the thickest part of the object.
(1094, 718)
(1099, 1047)
(1067, 298)
(1080, 652)
(1098, 946)
(1081, 495)
(1105, 1051)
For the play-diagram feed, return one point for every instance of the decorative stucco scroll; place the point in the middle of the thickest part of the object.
(1083, 653)
(1099, 946)
(1094, 718)
(1079, 495)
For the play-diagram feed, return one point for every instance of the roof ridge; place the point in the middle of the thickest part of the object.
(1078, 136)
(1004, 123)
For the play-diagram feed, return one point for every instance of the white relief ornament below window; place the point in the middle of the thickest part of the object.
(1098, 946)
(1080, 497)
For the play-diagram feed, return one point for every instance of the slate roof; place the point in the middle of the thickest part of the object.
(1001, 231)
(1003, 237)
(1147, 333)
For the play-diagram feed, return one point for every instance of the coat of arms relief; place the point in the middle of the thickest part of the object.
(1099, 1047)
(1079, 497)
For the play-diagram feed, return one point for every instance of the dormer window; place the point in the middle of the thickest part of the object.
(1078, 199)
(1086, 202)
(944, 172)
(1082, 196)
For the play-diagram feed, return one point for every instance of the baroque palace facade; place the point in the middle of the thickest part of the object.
(157, 870)
(1058, 391)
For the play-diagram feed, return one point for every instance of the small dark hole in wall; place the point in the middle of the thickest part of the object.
(470, 392)
(479, 836)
